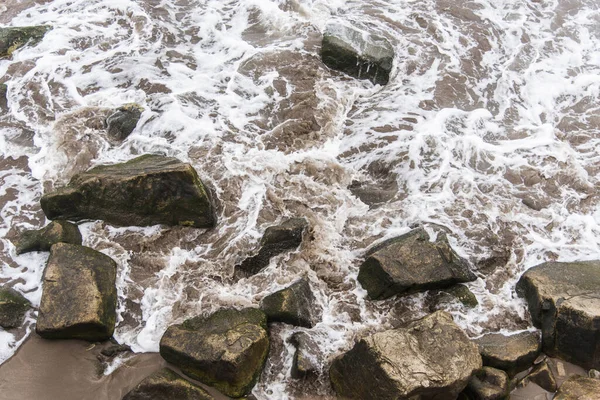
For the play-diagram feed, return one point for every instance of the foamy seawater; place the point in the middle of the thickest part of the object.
(489, 127)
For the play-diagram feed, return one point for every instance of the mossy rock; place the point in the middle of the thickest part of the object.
(13, 307)
(14, 38)
(3, 97)
(167, 385)
(513, 354)
(123, 121)
(43, 239)
(307, 357)
(579, 388)
(488, 384)
(293, 305)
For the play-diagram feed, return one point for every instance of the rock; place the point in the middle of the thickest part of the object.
(3, 97)
(42, 239)
(488, 384)
(579, 388)
(430, 358)
(411, 263)
(564, 301)
(276, 240)
(293, 305)
(594, 373)
(115, 349)
(226, 350)
(121, 123)
(14, 38)
(462, 294)
(542, 376)
(79, 298)
(374, 194)
(13, 307)
(306, 361)
(147, 190)
(512, 354)
(357, 53)
(167, 385)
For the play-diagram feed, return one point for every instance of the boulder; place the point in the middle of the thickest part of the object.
(293, 305)
(357, 53)
(430, 358)
(307, 357)
(564, 301)
(121, 123)
(276, 240)
(488, 384)
(512, 354)
(147, 190)
(579, 388)
(226, 350)
(167, 385)
(3, 97)
(14, 38)
(412, 263)
(459, 293)
(13, 307)
(43, 239)
(79, 297)
(542, 376)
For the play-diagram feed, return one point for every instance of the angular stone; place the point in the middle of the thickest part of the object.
(357, 53)
(512, 354)
(307, 360)
(488, 384)
(43, 239)
(226, 350)
(13, 307)
(431, 358)
(167, 385)
(147, 190)
(121, 123)
(463, 295)
(542, 376)
(293, 305)
(276, 240)
(411, 263)
(14, 38)
(79, 297)
(564, 301)
(579, 388)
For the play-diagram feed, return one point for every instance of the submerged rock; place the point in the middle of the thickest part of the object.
(3, 97)
(564, 301)
(79, 297)
(167, 385)
(306, 361)
(374, 194)
(121, 123)
(512, 354)
(357, 53)
(147, 190)
(226, 350)
(13, 307)
(543, 376)
(488, 384)
(276, 240)
(43, 239)
(411, 263)
(293, 305)
(430, 358)
(14, 38)
(579, 388)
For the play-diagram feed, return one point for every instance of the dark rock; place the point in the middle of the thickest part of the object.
(79, 298)
(43, 239)
(373, 194)
(276, 240)
(431, 358)
(147, 190)
(512, 354)
(488, 384)
(411, 263)
(114, 349)
(542, 376)
(293, 305)
(462, 294)
(14, 38)
(357, 53)
(3, 97)
(121, 123)
(13, 307)
(226, 350)
(307, 357)
(579, 388)
(167, 385)
(564, 301)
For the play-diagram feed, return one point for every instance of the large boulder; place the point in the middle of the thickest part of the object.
(488, 384)
(412, 263)
(147, 190)
(14, 38)
(43, 239)
(564, 301)
(13, 307)
(79, 297)
(294, 305)
(226, 350)
(512, 354)
(167, 385)
(122, 122)
(431, 358)
(579, 388)
(357, 53)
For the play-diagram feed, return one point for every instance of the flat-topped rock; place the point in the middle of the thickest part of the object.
(167, 385)
(43, 239)
(13, 307)
(294, 305)
(579, 388)
(513, 354)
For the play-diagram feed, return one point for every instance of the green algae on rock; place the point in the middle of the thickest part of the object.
(167, 385)
(43, 239)
(14, 38)
(13, 307)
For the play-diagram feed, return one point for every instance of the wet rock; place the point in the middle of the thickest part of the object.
(564, 301)
(357, 53)
(121, 123)
(115, 349)
(276, 240)
(372, 194)
(3, 97)
(293, 305)
(512, 354)
(147, 190)
(13, 307)
(460, 293)
(167, 385)
(226, 350)
(79, 298)
(488, 384)
(542, 376)
(306, 361)
(42, 239)
(579, 388)
(429, 358)
(14, 38)
(412, 263)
